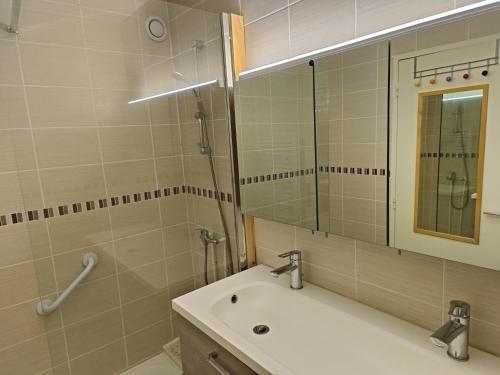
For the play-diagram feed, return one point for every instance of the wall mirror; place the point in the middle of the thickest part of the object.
(276, 153)
(450, 152)
(359, 133)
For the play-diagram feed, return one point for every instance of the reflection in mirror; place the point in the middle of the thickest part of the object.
(351, 90)
(449, 158)
(276, 155)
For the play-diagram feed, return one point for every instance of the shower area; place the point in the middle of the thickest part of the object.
(450, 149)
(114, 137)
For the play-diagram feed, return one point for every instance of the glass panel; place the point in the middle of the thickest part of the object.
(275, 129)
(449, 154)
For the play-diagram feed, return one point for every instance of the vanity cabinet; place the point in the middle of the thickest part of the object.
(203, 356)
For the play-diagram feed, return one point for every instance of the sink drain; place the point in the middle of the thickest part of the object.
(261, 329)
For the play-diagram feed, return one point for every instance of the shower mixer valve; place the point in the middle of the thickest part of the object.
(208, 237)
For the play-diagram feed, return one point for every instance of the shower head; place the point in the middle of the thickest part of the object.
(180, 77)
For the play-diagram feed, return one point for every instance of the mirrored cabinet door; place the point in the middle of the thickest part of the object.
(276, 150)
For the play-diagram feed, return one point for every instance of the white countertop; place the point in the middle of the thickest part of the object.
(314, 331)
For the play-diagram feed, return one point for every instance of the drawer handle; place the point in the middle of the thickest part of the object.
(212, 359)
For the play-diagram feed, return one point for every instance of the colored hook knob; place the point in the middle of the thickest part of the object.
(418, 83)
(449, 79)
(484, 73)
(466, 75)
(433, 81)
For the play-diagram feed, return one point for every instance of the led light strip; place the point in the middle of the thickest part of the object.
(208, 83)
(462, 98)
(461, 12)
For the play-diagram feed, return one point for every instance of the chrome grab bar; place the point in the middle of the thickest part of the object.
(212, 359)
(46, 306)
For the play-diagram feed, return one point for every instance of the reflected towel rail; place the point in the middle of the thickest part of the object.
(46, 306)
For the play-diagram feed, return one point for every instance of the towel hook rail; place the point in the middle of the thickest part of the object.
(46, 306)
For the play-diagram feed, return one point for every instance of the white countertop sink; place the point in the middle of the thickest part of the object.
(314, 331)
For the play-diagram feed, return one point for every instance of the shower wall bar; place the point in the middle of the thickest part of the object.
(14, 20)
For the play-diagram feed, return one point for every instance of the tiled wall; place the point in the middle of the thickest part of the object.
(351, 101)
(275, 130)
(99, 175)
(277, 29)
(413, 287)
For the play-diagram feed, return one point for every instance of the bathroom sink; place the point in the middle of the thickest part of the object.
(274, 329)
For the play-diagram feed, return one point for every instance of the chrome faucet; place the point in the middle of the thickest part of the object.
(455, 333)
(295, 268)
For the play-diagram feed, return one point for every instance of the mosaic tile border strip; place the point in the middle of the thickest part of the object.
(276, 176)
(353, 170)
(81, 207)
(310, 171)
(451, 155)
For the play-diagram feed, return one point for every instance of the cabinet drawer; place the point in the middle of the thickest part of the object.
(196, 348)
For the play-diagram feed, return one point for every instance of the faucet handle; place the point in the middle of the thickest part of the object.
(459, 309)
(293, 253)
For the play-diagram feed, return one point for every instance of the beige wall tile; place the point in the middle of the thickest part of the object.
(76, 231)
(72, 184)
(332, 252)
(35, 356)
(65, 147)
(110, 70)
(166, 140)
(139, 250)
(475, 285)
(485, 336)
(179, 268)
(111, 31)
(177, 239)
(23, 242)
(103, 361)
(16, 150)
(146, 311)
(253, 9)
(13, 112)
(21, 281)
(119, 6)
(42, 22)
(126, 143)
(375, 15)
(135, 218)
(21, 323)
(336, 282)
(142, 281)
(90, 299)
(54, 65)
(60, 107)
(360, 77)
(403, 307)
(169, 171)
(112, 108)
(311, 27)
(130, 177)
(269, 34)
(94, 332)
(9, 65)
(149, 341)
(173, 210)
(414, 275)
(69, 265)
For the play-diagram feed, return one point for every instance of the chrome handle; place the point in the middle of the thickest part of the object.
(459, 309)
(289, 254)
(46, 306)
(212, 359)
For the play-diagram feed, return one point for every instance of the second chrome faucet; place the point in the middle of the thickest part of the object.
(294, 266)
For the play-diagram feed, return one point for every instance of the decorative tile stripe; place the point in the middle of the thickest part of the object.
(322, 169)
(352, 170)
(452, 155)
(276, 176)
(80, 207)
